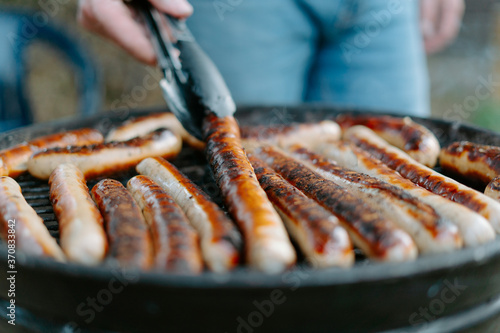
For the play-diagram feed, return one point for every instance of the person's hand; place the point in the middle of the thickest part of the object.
(440, 22)
(118, 22)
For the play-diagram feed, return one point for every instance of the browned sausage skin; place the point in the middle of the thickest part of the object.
(431, 232)
(474, 228)
(130, 243)
(30, 234)
(317, 232)
(424, 176)
(416, 140)
(307, 134)
(471, 160)
(81, 227)
(108, 158)
(268, 247)
(143, 125)
(378, 237)
(13, 161)
(175, 242)
(220, 240)
(493, 189)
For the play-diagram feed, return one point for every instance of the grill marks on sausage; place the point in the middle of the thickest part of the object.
(107, 158)
(268, 247)
(422, 176)
(475, 161)
(493, 189)
(411, 134)
(404, 133)
(377, 233)
(220, 240)
(130, 242)
(175, 242)
(476, 152)
(427, 216)
(90, 149)
(221, 225)
(316, 231)
(140, 126)
(473, 227)
(13, 160)
(143, 125)
(495, 184)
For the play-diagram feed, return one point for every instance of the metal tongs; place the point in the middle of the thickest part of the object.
(192, 85)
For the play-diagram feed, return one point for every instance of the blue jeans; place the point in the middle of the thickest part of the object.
(364, 54)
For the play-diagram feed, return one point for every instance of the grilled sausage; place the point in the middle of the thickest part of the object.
(130, 242)
(82, 235)
(471, 160)
(175, 242)
(473, 227)
(425, 177)
(493, 189)
(104, 159)
(30, 236)
(377, 236)
(267, 245)
(146, 124)
(415, 139)
(431, 232)
(317, 232)
(220, 240)
(308, 134)
(13, 161)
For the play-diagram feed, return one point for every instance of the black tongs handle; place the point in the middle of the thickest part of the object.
(193, 86)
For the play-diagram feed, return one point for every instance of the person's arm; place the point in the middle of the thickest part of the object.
(118, 22)
(440, 22)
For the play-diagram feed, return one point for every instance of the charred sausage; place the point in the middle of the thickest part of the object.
(130, 242)
(317, 232)
(268, 247)
(220, 240)
(415, 139)
(424, 176)
(104, 159)
(377, 236)
(431, 232)
(175, 242)
(13, 161)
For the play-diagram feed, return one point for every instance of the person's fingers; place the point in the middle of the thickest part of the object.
(177, 8)
(118, 22)
(450, 17)
(429, 13)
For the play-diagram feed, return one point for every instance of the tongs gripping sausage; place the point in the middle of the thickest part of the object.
(193, 86)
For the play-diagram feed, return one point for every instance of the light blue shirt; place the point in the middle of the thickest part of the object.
(362, 54)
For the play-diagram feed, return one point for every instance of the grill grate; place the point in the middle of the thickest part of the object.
(36, 193)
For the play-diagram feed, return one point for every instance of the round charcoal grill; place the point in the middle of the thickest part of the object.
(436, 293)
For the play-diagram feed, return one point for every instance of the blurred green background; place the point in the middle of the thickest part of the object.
(455, 73)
